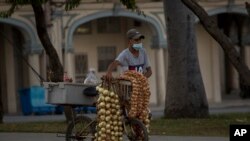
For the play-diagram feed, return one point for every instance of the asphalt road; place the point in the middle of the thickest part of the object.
(53, 137)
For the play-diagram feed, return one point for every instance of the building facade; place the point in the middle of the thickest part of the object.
(94, 33)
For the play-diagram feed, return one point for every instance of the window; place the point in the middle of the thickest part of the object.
(84, 29)
(81, 67)
(109, 25)
(105, 56)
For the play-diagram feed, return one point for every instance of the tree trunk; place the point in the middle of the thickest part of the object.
(185, 95)
(222, 39)
(54, 62)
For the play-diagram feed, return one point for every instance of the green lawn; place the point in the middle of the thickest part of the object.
(215, 125)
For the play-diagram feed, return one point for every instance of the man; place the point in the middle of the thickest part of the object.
(132, 58)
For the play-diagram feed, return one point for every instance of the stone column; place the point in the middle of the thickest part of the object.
(216, 81)
(160, 76)
(56, 36)
(10, 73)
(54, 26)
(247, 55)
(69, 66)
(35, 63)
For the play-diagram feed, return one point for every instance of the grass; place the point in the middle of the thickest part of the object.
(215, 125)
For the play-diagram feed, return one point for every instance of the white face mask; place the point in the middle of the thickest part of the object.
(137, 46)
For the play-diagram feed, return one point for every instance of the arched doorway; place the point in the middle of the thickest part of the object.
(17, 41)
(219, 77)
(104, 30)
(236, 27)
(13, 71)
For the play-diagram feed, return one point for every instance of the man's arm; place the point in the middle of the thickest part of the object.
(111, 67)
(148, 72)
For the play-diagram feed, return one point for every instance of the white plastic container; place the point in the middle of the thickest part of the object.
(66, 93)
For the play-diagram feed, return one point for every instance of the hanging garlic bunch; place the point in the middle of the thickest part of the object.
(139, 100)
(109, 119)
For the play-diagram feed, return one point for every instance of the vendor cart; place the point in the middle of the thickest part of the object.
(66, 93)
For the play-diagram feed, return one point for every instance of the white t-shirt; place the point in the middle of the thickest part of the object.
(130, 62)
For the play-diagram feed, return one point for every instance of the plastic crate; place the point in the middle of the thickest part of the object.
(33, 101)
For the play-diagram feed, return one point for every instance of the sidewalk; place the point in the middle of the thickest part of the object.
(227, 106)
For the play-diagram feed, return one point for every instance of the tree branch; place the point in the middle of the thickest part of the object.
(9, 12)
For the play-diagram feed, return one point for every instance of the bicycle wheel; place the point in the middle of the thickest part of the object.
(135, 130)
(81, 129)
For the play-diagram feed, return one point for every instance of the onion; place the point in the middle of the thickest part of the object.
(105, 92)
(101, 111)
(102, 124)
(107, 118)
(103, 129)
(103, 136)
(112, 94)
(101, 90)
(108, 105)
(114, 123)
(102, 104)
(102, 117)
(108, 112)
(108, 131)
(114, 117)
(107, 99)
(107, 126)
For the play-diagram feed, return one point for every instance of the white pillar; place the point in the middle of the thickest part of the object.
(247, 55)
(160, 76)
(216, 81)
(165, 61)
(56, 36)
(34, 62)
(54, 27)
(69, 64)
(10, 72)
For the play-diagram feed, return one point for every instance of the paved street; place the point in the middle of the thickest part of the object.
(225, 107)
(53, 137)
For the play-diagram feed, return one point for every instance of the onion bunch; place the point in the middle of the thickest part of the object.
(139, 100)
(109, 120)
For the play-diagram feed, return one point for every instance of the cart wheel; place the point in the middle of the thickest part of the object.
(136, 130)
(81, 129)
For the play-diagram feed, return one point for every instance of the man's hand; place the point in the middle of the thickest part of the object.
(108, 76)
(148, 72)
(111, 67)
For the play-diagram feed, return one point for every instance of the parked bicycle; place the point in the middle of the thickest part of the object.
(83, 128)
